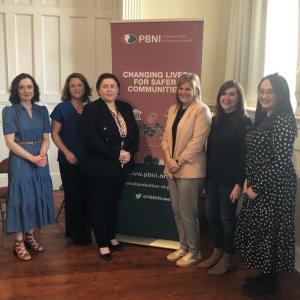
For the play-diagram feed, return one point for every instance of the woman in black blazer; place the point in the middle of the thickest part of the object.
(111, 137)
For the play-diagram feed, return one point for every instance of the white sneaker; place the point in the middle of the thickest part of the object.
(188, 260)
(176, 255)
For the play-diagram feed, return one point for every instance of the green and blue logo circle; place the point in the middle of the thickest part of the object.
(129, 38)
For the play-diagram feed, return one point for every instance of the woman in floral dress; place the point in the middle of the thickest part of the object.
(265, 229)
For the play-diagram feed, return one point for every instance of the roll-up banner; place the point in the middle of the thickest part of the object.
(148, 57)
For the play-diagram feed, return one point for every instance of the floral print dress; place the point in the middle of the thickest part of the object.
(265, 227)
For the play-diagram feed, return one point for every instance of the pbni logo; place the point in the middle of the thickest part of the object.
(129, 39)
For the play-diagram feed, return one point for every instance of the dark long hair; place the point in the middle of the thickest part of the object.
(66, 95)
(14, 89)
(240, 109)
(282, 104)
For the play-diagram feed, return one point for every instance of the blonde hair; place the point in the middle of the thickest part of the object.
(194, 81)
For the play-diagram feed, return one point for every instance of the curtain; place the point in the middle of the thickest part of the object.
(131, 9)
(297, 91)
(246, 45)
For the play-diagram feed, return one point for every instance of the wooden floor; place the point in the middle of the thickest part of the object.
(65, 271)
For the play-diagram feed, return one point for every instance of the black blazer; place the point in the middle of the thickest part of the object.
(103, 142)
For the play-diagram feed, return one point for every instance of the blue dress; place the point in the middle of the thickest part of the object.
(66, 114)
(30, 197)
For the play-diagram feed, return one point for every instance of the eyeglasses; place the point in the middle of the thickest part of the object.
(268, 93)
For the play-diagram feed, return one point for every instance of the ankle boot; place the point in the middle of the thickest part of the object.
(252, 281)
(224, 266)
(267, 284)
(212, 260)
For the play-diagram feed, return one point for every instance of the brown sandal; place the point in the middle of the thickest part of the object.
(20, 251)
(32, 243)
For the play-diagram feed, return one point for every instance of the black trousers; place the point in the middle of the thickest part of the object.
(77, 219)
(105, 195)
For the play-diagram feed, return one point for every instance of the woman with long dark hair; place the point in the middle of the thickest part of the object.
(265, 228)
(225, 174)
(66, 136)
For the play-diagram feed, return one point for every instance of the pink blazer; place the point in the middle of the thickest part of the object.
(190, 147)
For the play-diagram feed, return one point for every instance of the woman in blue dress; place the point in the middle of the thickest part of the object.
(26, 128)
(66, 136)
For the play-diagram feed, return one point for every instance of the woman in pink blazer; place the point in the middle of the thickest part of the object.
(187, 128)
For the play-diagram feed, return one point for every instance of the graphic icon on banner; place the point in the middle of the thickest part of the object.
(129, 38)
(137, 114)
(138, 196)
(152, 117)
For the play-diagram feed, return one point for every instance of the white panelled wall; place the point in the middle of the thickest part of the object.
(51, 39)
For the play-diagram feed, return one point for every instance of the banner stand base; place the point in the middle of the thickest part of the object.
(146, 241)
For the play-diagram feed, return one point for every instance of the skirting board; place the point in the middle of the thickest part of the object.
(145, 241)
(297, 259)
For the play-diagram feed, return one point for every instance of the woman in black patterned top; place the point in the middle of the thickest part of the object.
(265, 230)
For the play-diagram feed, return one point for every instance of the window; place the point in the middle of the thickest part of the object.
(281, 41)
